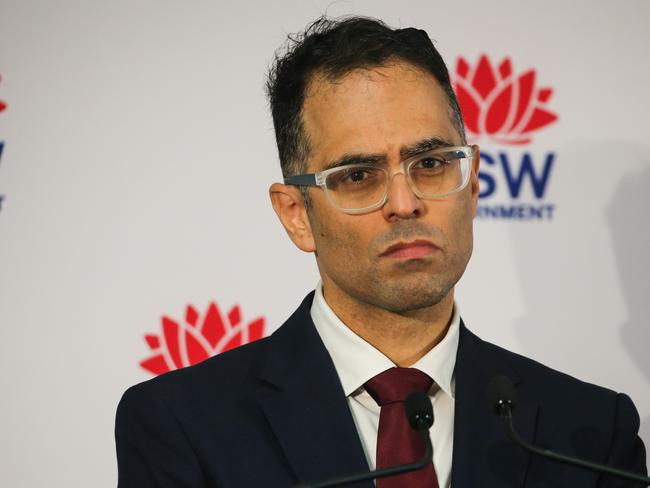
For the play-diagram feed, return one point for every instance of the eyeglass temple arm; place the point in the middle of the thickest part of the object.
(302, 180)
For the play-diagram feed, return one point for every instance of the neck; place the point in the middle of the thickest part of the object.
(403, 337)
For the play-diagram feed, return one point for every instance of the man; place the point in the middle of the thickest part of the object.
(382, 188)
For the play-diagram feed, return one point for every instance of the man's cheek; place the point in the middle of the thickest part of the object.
(348, 247)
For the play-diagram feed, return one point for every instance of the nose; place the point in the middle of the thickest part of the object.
(402, 203)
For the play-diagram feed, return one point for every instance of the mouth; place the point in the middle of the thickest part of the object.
(418, 249)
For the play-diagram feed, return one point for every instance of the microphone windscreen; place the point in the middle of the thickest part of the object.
(419, 411)
(500, 391)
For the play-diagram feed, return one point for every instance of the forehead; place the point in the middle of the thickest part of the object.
(374, 111)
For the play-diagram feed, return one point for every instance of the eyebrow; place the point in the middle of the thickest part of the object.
(349, 159)
(405, 152)
(423, 146)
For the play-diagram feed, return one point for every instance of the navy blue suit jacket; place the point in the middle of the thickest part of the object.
(273, 413)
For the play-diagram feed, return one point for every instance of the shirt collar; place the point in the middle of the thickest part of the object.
(356, 361)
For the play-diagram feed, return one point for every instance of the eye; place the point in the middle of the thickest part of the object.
(354, 178)
(430, 162)
(355, 175)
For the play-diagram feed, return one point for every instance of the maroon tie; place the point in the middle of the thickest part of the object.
(397, 442)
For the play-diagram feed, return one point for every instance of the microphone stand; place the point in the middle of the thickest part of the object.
(380, 473)
(505, 413)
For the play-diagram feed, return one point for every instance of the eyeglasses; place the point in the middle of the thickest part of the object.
(360, 188)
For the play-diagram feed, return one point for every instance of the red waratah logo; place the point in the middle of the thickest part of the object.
(3, 105)
(197, 338)
(499, 104)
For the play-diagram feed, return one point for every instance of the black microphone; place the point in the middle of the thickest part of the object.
(419, 412)
(501, 395)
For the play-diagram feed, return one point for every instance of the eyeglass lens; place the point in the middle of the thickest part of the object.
(432, 175)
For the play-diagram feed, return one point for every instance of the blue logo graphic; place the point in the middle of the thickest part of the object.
(514, 187)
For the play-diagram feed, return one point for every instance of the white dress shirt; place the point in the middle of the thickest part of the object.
(356, 361)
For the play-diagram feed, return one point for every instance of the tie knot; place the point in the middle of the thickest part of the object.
(396, 384)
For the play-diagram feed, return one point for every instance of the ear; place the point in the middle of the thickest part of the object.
(290, 209)
(476, 162)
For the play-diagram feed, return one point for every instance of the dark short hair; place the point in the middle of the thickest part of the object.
(334, 48)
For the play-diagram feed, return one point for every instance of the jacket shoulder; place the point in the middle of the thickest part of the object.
(224, 374)
(545, 379)
(574, 416)
(566, 401)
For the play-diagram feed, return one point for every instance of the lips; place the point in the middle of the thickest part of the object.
(417, 249)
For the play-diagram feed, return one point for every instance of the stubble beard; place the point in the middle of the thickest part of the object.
(406, 287)
(415, 287)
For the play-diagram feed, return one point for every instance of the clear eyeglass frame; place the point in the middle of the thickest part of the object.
(464, 154)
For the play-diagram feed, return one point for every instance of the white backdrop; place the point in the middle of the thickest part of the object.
(138, 150)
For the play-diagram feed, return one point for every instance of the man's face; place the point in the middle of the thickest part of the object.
(410, 253)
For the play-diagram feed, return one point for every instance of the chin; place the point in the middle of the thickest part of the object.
(401, 299)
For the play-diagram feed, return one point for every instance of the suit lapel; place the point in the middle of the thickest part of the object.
(309, 415)
(305, 403)
(483, 454)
